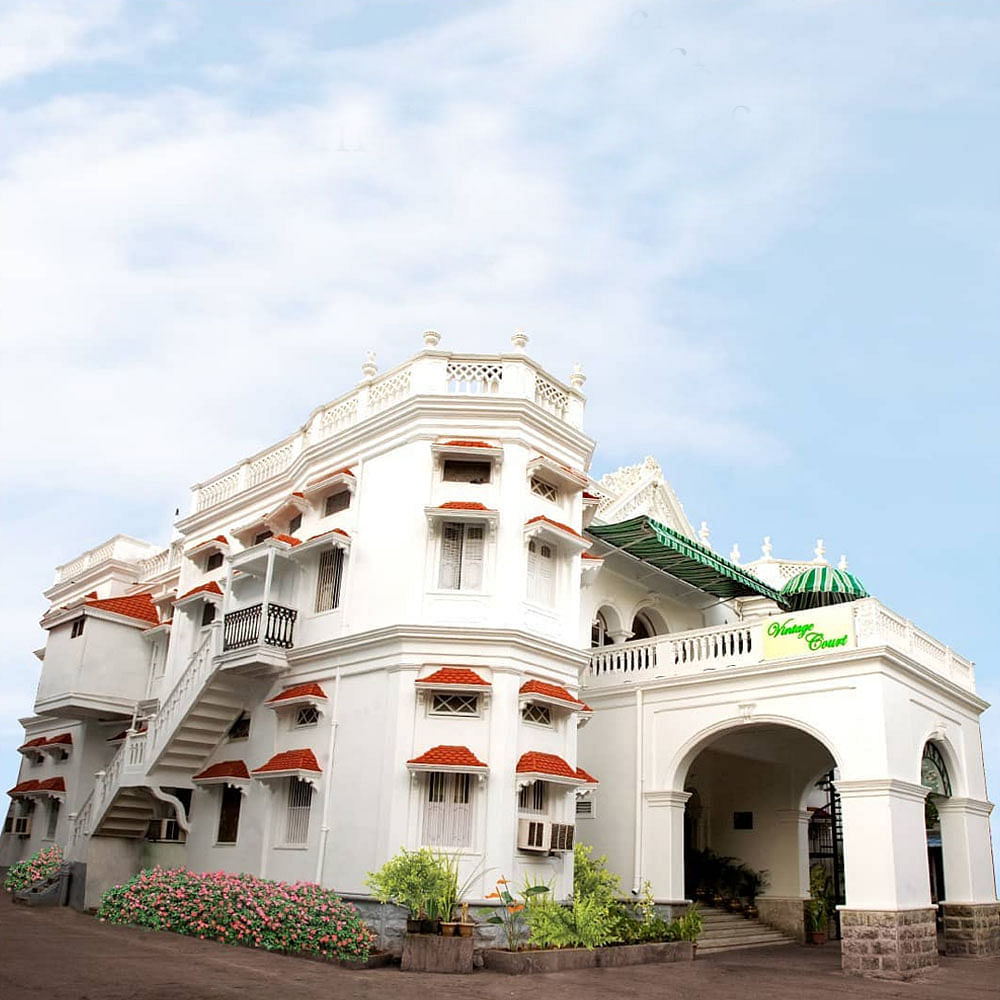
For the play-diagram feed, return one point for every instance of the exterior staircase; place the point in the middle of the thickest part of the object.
(725, 931)
(128, 814)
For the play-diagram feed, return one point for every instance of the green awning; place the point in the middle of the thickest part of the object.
(678, 555)
(821, 586)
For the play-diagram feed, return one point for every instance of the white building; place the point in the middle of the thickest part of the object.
(418, 620)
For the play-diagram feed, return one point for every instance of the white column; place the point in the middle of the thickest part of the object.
(663, 844)
(965, 846)
(885, 844)
(791, 878)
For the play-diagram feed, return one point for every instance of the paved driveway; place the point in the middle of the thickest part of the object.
(58, 954)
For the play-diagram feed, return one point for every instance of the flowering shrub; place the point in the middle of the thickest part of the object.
(38, 867)
(240, 909)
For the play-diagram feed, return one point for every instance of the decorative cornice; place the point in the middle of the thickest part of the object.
(870, 788)
(666, 799)
(973, 807)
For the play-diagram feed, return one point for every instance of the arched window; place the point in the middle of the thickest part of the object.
(642, 628)
(599, 632)
(933, 772)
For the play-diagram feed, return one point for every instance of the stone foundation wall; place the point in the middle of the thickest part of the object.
(786, 914)
(971, 929)
(893, 944)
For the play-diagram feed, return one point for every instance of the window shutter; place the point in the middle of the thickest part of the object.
(434, 809)
(331, 571)
(472, 557)
(546, 576)
(532, 571)
(451, 556)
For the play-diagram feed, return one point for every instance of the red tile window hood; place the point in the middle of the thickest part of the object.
(552, 694)
(224, 772)
(448, 758)
(139, 606)
(538, 766)
(290, 764)
(300, 694)
(453, 678)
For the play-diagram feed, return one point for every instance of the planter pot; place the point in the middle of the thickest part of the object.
(412, 926)
(466, 930)
(430, 926)
(718, 901)
(817, 937)
(449, 928)
(433, 953)
(565, 959)
(735, 906)
(751, 912)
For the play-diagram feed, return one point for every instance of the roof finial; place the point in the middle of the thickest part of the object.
(576, 377)
(519, 340)
(842, 565)
(765, 549)
(431, 339)
(368, 367)
(734, 555)
(703, 533)
(819, 551)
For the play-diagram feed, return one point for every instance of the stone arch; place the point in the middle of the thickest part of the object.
(612, 618)
(657, 622)
(949, 755)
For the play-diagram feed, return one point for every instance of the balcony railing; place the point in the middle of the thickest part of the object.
(243, 627)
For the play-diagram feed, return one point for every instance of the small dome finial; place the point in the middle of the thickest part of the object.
(431, 339)
(842, 565)
(765, 549)
(703, 533)
(519, 339)
(819, 551)
(576, 377)
(368, 368)
(734, 555)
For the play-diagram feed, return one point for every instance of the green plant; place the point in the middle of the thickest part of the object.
(591, 878)
(452, 892)
(821, 902)
(36, 868)
(418, 880)
(645, 905)
(754, 883)
(690, 926)
(510, 915)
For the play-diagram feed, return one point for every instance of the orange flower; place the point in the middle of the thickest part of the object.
(502, 881)
(515, 909)
(492, 895)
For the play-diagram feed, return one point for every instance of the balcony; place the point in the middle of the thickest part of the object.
(256, 637)
(818, 634)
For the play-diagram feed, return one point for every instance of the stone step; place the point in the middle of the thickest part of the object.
(753, 930)
(710, 949)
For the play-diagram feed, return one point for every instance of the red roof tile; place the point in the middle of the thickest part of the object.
(584, 776)
(446, 756)
(92, 596)
(453, 675)
(590, 496)
(288, 540)
(291, 760)
(332, 531)
(206, 588)
(136, 606)
(535, 762)
(555, 524)
(25, 786)
(52, 785)
(468, 444)
(330, 475)
(298, 493)
(588, 555)
(62, 739)
(552, 691)
(38, 741)
(299, 691)
(463, 505)
(224, 769)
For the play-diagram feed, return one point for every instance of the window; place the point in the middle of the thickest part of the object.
(214, 561)
(294, 524)
(208, 613)
(329, 578)
(460, 471)
(336, 502)
(599, 632)
(448, 810)
(229, 815)
(307, 715)
(541, 573)
(297, 819)
(77, 628)
(540, 715)
(262, 537)
(742, 820)
(455, 704)
(240, 729)
(50, 833)
(544, 490)
(461, 556)
(532, 798)
(642, 627)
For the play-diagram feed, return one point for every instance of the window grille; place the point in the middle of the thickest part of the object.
(240, 729)
(448, 810)
(307, 715)
(229, 815)
(544, 490)
(336, 502)
(541, 573)
(297, 821)
(329, 579)
(532, 798)
(540, 715)
(53, 819)
(214, 561)
(455, 704)
(294, 524)
(461, 471)
(461, 556)
(77, 628)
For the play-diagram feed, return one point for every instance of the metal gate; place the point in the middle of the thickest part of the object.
(826, 841)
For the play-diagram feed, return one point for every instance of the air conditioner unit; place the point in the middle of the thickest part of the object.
(561, 838)
(165, 829)
(22, 826)
(533, 835)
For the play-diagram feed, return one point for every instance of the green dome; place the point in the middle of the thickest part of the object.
(820, 586)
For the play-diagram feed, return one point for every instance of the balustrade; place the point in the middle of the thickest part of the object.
(242, 627)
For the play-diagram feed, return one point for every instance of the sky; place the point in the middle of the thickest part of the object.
(768, 230)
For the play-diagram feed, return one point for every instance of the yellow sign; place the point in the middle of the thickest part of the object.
(808, 633)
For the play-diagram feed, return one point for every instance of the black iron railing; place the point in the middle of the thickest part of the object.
(243, 627)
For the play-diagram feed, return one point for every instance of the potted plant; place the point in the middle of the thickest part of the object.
(732, 886)
(819, 905)
(416, 880)
(754, 883)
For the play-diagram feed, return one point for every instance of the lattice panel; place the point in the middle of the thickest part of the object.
(550, 396)
(218, 491)
(342, 415)
(387, 391)
(270, 464)
(474, 377)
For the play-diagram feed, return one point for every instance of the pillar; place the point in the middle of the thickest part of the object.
(971, 912)
(888, 925)
(662, 849)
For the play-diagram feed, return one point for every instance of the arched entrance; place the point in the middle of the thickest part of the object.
(934, 775)
(753, 790)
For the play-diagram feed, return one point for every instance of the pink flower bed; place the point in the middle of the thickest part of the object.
(241, 909)
(37, 868)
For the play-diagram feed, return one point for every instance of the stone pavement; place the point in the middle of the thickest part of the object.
(59, 954)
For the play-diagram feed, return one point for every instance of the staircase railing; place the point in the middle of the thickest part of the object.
(201, 666)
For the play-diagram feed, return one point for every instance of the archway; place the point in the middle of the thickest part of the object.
(934, 774)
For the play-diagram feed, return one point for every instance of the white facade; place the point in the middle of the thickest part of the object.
(401, 568)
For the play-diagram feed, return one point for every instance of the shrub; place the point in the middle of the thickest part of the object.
(41, 865)
(240, 909)
(425, 882)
